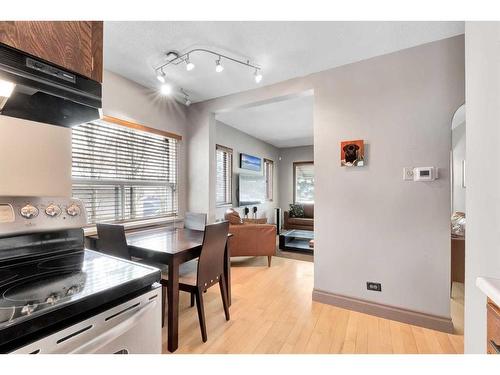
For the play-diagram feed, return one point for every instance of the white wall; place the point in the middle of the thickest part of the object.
(228, 136)
(35, 158)
(482, 247)
(458, 148)
(285, 181)
(370, 225)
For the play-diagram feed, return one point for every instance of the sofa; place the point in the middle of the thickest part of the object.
(250, 237)
(304, 223)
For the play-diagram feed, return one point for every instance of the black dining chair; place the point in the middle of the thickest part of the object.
(112, 241)
(210, 271)
(195, 221)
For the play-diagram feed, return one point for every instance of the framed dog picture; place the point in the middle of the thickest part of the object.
(352, 153)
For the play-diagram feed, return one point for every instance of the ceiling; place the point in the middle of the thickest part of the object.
(284, 49)
(285, 123)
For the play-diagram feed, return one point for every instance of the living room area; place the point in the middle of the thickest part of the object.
(265, 177)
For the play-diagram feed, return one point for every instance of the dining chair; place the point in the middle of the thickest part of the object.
(210, 270)
(195, 221)
(112, 241)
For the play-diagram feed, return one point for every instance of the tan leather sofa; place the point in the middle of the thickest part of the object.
(305, 223)
(250, 238)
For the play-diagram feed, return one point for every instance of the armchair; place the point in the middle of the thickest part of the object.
(250, 239)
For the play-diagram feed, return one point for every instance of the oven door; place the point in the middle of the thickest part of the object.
(133, 327)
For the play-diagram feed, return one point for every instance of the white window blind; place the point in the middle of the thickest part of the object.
(269, 176)
(123, 174)
(304, 182)
(224, 190)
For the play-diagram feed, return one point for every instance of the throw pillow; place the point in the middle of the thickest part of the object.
(296, 210)
(234, 218)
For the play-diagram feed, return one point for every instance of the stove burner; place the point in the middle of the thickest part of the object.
(6, 314)
(73, 261)
(6, 275)
(46, 289)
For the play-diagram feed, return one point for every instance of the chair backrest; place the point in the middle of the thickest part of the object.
(195, 221)
(211, 261)
(112, 240)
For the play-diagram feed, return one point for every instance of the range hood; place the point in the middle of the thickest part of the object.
(33, 89)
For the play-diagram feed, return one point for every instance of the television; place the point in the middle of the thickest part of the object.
(251, 189)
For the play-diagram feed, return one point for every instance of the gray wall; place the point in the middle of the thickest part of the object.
(482, 255)
(370, 224)
(285, 180)
(36, 158)
(241, 142)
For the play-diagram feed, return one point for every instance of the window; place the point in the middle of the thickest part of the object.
(303, 180)
(122, 173)
(224, 193)
(269, 176)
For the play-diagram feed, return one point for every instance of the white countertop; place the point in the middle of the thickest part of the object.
(490, 287)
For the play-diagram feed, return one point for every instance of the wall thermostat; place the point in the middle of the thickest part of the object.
(425, 174)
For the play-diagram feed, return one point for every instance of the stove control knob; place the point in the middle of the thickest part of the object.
(73, 210)
(52, 299)
(29, 308)
(29, 211)
(53, 210)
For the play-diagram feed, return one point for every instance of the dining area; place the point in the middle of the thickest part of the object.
(191, 258)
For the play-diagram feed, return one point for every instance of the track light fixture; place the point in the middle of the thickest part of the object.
(174, 58)
(257, 76)
(189, 65)
(218, 67)
(166, 89)
(187, 101)
(160, 76)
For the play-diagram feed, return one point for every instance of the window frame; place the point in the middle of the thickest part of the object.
(123, 184)
(269, 182)
(229, 188)
(294, 187)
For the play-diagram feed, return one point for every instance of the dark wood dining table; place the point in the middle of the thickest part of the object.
(172, 246)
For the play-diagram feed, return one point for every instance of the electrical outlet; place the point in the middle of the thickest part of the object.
(408, 174)
(375, 287)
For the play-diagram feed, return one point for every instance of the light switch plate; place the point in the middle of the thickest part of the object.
(408, 174)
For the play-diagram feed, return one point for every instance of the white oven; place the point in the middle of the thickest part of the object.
(133, 327)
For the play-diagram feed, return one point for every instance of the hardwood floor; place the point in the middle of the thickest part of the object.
(272, 312)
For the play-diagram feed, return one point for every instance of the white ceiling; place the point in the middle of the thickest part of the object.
(287, 123)
(284, 49)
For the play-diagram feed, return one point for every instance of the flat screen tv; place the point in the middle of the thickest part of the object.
(251, 189)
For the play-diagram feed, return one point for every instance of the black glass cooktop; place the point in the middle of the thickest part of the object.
(49, 290)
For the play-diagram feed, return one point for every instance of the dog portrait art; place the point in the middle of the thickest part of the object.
(352, 153)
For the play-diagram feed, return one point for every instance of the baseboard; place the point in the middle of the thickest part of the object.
(438, 323)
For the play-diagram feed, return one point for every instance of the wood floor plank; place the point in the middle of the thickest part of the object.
(272, 312)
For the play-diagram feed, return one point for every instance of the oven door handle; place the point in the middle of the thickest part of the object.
(98, 342)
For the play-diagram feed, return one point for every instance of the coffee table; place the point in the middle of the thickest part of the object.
(296, 240)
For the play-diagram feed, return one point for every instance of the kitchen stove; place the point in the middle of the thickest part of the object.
(49, 283)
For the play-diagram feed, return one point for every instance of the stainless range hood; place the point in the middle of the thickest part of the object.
(33, 89)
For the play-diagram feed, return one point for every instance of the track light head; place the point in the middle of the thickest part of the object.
(218, 67)
(160, 76)
(257, 76)
(166, 89)
(189, 65)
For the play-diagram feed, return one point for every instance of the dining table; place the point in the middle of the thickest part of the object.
(173, 247)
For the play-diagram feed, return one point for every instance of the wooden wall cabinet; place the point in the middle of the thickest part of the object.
(493, 331)
(74, 45)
